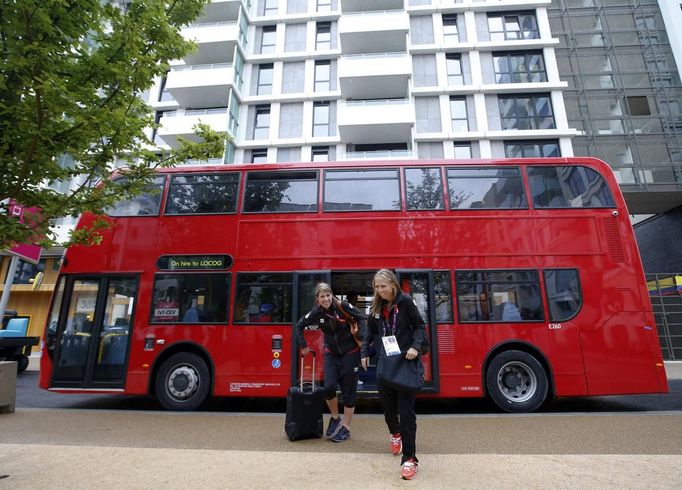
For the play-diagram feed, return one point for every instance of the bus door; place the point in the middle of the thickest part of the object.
(304, 300)
(93, 332)
(420, 285)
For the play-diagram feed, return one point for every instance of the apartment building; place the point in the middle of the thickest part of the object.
(314, 80)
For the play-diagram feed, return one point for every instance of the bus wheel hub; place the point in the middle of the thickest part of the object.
(182, 382)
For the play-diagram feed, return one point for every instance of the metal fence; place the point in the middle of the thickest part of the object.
(665, 291)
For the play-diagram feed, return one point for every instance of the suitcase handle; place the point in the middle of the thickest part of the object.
(313, 381)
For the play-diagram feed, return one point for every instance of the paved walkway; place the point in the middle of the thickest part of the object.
(107, 449)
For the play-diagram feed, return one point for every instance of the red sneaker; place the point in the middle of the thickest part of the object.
(409, 469)
(396, 444)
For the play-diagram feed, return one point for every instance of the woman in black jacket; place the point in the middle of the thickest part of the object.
(394, 316)
(341, 354)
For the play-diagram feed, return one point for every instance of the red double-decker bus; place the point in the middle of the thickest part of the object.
(526, 272)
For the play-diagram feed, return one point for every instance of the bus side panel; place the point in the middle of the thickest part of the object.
(618, 356)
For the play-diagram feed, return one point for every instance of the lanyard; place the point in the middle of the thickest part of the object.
(385, 323)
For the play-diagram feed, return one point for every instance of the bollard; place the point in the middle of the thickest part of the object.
(8, 386)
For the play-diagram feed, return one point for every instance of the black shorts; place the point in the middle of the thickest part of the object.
(342, 370)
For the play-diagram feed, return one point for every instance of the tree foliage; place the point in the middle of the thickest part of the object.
(72, 77)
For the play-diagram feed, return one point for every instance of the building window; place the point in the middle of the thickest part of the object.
(509, 26)
(320, 154)
(526, 112)
(421, 29)
(453, 64)
(261, 127)
(462, 149)
(267, 7)
(458, 114)
(450, 33)
(638, 106)
(530, 149)
(259, 155)
(268, 37)
(264, 86)
(519, 67)
(323, 76)
(26, 271)
(323, 36)
(324, 5)
(321, 119)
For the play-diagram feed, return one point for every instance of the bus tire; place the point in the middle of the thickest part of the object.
(22, 363)
(516, 382)
(183, 382)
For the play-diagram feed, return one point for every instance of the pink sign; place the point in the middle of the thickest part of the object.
(25, 251)
(29, 253)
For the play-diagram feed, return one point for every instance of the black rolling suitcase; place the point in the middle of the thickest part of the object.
(304, 410)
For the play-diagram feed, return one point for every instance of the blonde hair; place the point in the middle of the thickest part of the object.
(388, 276)
(323, 287)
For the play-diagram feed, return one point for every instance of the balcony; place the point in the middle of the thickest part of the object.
(215, 42)
(175, 126)
(364, 6)
(371, 76)
(200, 85)
(375, 121)
(374, 32)
(221, 10)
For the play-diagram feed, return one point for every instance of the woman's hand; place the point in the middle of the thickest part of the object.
(412, 353)
(364, 362)
(305, 351)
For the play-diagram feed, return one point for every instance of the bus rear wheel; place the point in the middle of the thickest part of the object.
(183, 382)
(516, 382)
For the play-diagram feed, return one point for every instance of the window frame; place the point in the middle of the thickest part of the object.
(508, 55)
(338, 171)
(322, 28)
(261, 86)
(318, 104)
(453, 119)
(282, 175)
(506, 18)
(483, 167)
(261, 110)
(228, 286)
(580, 292)
(487, 282)
(454, 57)
(269, 47)
(318, 82)
(406, 180)
(447, 20)
(237, 292)
(233, 210)
(518, 102)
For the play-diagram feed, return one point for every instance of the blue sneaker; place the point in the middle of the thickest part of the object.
(334, 426)
(341, 435)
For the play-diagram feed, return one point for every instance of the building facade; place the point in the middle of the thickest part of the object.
(324, 80)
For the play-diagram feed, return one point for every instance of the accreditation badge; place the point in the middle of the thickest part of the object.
(391, 346)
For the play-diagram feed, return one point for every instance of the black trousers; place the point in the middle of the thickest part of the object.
(342, 370)
(398, 408)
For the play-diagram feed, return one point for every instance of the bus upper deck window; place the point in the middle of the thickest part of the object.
(146, 203)
(486, 188)
(568, 186)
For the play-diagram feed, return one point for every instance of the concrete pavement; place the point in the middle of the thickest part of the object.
(119, 449)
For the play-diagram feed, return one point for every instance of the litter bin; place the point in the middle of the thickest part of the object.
(8, 386)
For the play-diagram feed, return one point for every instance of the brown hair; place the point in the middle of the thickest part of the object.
(386, 275)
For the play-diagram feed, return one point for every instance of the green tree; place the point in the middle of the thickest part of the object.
(72, 77)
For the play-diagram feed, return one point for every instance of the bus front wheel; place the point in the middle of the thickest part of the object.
(516, 382)
(182, 382)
